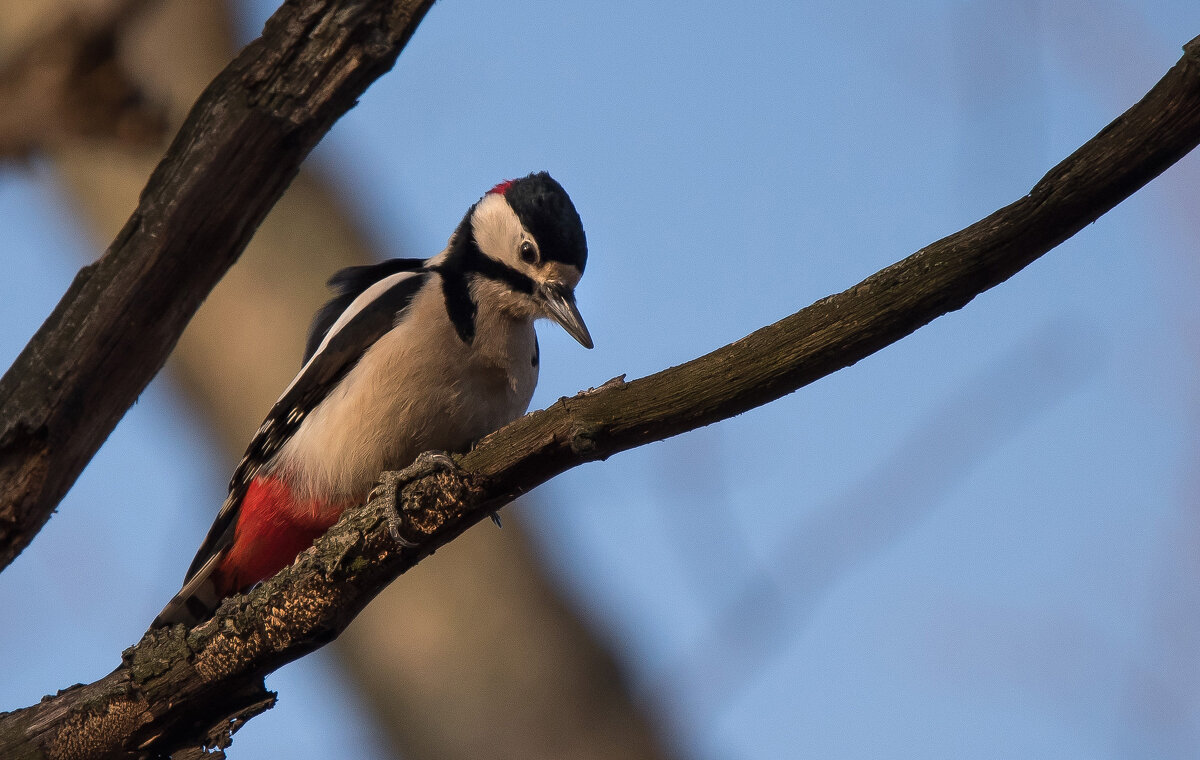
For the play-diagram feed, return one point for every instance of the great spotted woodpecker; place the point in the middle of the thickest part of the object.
(410, 355)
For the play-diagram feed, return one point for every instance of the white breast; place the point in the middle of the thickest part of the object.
(418, 388)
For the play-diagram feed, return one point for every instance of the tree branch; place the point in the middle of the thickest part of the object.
(87, 72)
(239, 148)
(177, 688)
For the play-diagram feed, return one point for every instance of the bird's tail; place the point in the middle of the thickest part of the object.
(198, 598)
(258, 532)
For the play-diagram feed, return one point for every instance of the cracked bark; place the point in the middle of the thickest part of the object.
(431, 681)
(176, 687)
(234, 156)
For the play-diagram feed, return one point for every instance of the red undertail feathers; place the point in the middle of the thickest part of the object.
(272, 528)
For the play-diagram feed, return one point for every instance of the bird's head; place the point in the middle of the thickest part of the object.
(532, 243)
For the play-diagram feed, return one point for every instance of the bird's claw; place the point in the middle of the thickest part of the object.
(428, 463)
(395, 524)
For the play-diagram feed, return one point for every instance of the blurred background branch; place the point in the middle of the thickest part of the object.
(175, 675)
(1043, 614)
(235, 153)
(438, 656)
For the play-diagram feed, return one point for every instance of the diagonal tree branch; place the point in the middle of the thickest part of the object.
(236, 153)
(177, 688)
(82, 75)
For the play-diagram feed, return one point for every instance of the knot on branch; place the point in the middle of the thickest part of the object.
(583, 440)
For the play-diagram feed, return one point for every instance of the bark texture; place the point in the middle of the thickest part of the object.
(239, 148)
(178, 686)
(434, 657)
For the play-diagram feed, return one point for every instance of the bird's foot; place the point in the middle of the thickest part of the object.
(390, 488)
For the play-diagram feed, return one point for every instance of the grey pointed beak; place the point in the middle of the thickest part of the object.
(560, 306)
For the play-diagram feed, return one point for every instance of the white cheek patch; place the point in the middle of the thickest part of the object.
(497, 229)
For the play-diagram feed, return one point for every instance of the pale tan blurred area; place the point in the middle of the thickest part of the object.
(472, 654)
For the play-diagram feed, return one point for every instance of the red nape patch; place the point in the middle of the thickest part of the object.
(502, 188)
(272, 528)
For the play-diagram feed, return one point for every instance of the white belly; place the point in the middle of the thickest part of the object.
(414, 390)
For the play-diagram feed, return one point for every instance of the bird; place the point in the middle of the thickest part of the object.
(408, 356)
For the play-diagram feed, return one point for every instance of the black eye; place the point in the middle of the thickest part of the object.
(528, 252)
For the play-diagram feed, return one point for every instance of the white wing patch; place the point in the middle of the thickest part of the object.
(356, 306)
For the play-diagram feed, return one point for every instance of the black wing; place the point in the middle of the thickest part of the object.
(321, 372)
(348, 284)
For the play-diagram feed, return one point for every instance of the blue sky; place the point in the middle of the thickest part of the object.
(979, 542)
